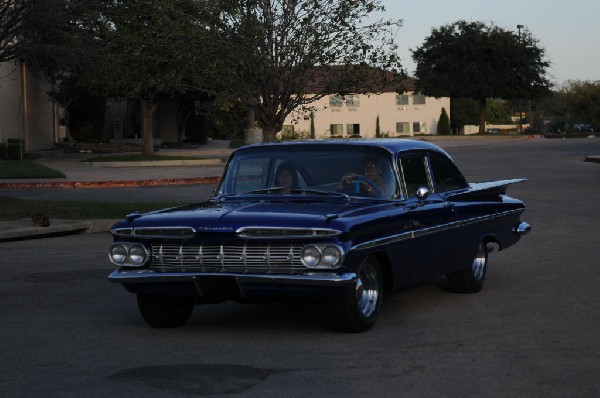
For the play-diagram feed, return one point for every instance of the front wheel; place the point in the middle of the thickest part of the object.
(472, 279)
(356, 310)
(165, 311)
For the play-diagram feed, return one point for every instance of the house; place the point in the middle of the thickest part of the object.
(405, 114)
(26, 112)
(123, 121)
(29, 114)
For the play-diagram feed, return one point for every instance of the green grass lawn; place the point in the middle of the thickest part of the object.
(15, 169)
(13, 209)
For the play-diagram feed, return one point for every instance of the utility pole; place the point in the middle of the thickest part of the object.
(519, 27)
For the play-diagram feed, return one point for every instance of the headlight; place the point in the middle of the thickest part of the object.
(311, 256)
(128, 254)
(118, 254)
(331, 256)
(137, 254)
(322, 256)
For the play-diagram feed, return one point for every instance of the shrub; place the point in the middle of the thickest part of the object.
(11, 149)
(443, 126)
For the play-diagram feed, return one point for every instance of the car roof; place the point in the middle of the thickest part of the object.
(393, 145)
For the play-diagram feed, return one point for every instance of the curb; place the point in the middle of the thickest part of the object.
(593, 159)
(23, 229)
(109, 184)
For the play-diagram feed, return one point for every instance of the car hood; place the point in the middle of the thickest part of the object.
(230, 216)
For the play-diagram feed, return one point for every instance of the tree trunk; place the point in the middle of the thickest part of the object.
(148, 108)
(482, 116)
(269, 134)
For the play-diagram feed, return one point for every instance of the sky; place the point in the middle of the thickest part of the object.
(568, 30)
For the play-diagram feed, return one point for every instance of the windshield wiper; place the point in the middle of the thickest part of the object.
(347, 197)
(291, 191)
(319, 192)
(264, 190)
(221, 198)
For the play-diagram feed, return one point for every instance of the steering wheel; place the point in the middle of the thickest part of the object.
(358, 180)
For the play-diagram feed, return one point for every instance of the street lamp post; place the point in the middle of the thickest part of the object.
(519, 27)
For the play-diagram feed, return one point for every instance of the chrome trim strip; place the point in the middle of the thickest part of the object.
(184, 232)
(122, 231)
(308, 279)
(431, 230)
(285, 233)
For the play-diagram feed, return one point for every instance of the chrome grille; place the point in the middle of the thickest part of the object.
(249, 258)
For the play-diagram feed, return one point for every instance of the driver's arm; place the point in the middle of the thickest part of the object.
(345, 181)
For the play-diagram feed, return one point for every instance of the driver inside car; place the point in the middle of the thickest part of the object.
(370, 182)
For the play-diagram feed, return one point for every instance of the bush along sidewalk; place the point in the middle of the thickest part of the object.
(12, 149)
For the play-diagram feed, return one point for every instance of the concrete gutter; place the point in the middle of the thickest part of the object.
(24, 229)
(108, 184)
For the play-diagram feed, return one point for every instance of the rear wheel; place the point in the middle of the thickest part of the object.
(472, 279)
(357, 309)
(165, 311)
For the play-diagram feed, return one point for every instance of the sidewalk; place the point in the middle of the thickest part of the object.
(206, 169)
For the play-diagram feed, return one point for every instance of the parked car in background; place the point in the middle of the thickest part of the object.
(331, 222)
(580, 127)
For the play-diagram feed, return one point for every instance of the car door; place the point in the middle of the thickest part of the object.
(433, 241)
(464, 241)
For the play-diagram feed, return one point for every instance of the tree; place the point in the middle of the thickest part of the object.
(474, 60)
(268, 54)
(128, 49)
(55, 46)
(149, 50)
(443, 125)
(277, 51)
(464, 111)
(13, 25)
(497, 112)
(581, 102)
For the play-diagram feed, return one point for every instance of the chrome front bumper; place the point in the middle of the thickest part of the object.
(307, 279)
(522, 228)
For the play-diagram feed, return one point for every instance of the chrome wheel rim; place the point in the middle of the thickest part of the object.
(480, 263)
(367, 290)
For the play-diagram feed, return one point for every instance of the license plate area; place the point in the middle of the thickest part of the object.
(221, 287)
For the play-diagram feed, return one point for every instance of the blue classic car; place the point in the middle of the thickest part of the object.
(331, 222)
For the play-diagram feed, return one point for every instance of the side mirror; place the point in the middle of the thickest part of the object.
(422, 193)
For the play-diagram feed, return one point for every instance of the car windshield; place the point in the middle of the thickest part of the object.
(353, 170)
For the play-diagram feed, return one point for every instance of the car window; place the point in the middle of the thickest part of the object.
(299, 177)
(445, 176)
(414, 170)
(249, 174)
(318, 168)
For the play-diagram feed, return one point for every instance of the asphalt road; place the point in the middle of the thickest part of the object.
(533, 331)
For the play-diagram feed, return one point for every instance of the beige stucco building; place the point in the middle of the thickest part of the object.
(404, 114)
